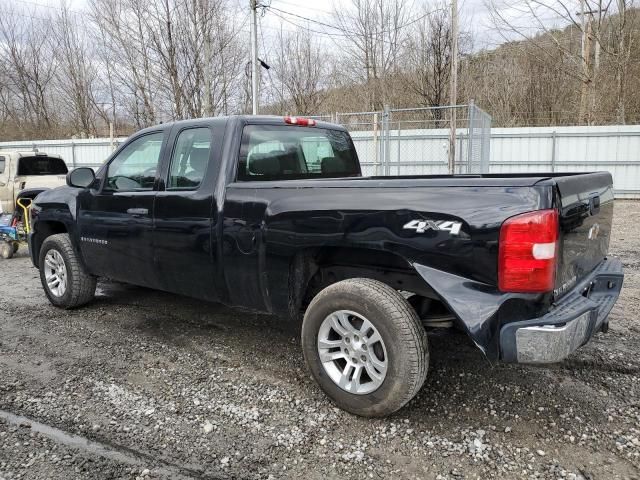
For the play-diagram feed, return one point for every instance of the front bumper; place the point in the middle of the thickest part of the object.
(569, 324)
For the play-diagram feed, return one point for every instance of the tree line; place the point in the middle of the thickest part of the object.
(134, 63)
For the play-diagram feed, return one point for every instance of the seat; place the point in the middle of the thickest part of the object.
(263, 164)
(289, 163)
(332, 165)
(198, 160)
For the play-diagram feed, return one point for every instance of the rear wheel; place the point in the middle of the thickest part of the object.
(63, 278)
(365, 346)
(6, 250)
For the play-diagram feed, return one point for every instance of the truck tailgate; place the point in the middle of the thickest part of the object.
(586, 212)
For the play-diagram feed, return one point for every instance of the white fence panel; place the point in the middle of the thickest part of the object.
(571, 149)
(91, 152)
(423, 152)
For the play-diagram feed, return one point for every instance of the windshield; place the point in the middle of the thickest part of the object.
(271, 152)
(41, 165)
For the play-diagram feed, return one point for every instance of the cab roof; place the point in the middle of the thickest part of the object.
(241, 119)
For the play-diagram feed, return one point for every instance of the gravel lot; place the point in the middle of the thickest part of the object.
(142, 384)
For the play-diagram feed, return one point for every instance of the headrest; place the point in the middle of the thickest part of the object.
(264, 164)
(198, 158)
(332, 165)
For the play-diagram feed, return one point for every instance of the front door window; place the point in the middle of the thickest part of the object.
(134, 169)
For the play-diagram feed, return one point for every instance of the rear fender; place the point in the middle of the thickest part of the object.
(480, 308)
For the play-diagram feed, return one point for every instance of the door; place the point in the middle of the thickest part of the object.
(116, 221)
(185, 215)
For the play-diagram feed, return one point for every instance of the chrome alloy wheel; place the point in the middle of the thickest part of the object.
(352, 352)
(55, 272)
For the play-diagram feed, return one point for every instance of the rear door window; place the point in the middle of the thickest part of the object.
(189, 159)
(3, 165)
(41, 165)
(272, 152)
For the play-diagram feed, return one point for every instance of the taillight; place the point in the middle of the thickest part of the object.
(527, 252)
(303, 122)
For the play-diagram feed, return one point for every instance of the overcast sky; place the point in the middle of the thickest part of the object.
(474, 16)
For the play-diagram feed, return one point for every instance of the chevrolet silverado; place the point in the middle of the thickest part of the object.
(273, 214)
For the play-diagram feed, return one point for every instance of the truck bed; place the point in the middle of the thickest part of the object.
(486, 180)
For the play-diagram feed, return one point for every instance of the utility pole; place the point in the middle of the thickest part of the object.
(254, 55)
(586, 60)
(453, 89)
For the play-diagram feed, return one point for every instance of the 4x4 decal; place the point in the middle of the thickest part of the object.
(421, 226)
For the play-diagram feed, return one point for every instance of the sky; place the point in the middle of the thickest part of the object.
(474, 17)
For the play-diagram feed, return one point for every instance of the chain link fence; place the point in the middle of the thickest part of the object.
(415, 141)
(366, 129)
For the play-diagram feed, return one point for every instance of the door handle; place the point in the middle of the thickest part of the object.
(138, 212)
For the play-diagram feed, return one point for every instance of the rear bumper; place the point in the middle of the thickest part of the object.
(569, 324)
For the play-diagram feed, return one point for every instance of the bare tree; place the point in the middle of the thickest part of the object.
(535, 21)
(211, 56)
(134, 63)
(428, 58)
(25, 51)
(76, 71)
(301, 71)
(622, 41)
(374, 34)
(123, 21)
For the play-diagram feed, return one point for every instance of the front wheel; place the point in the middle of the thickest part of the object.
(63, 278)
(365, 346)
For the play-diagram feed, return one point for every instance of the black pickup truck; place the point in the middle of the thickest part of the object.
(273, 214)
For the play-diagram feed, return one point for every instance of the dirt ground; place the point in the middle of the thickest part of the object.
(142, 384)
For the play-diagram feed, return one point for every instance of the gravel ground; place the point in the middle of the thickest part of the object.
(143, 384)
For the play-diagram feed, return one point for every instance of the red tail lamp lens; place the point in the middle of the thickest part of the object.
(528, 252)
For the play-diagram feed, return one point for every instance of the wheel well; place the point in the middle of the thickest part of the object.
(313, 270)
(46, 229)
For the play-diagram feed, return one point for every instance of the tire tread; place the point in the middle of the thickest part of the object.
(413, 337)
(82, 285)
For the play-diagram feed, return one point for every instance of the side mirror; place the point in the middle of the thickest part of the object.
(82, 177)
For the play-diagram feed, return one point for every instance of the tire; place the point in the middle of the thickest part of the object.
(6, 250)
(403, 346)
(16, 246)
(80, 287)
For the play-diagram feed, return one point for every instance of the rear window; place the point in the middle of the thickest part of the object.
(271, 152)
(41, 165)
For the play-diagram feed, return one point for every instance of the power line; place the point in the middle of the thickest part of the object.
(52, 7)
(342, 35)
(307, 7)
(350, 33)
